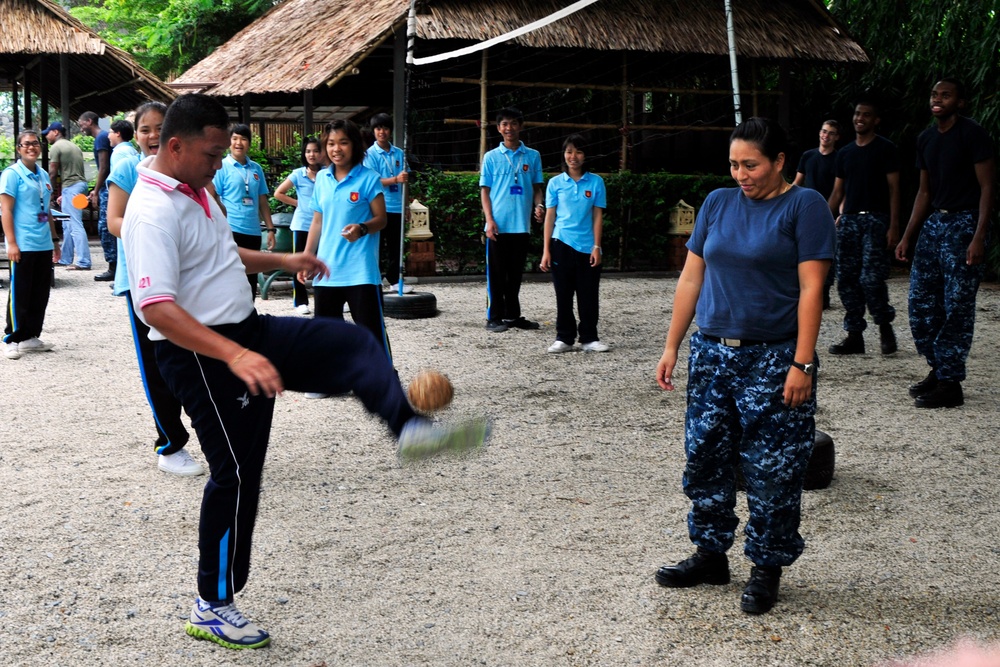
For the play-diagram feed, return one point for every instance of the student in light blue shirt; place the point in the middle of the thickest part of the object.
(510, 182)
(29, 237)
(242, 190)
(574, 213)
(120, 135)
(389, 163)
(303, 180)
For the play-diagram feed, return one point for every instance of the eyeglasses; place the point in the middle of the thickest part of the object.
(30, 144)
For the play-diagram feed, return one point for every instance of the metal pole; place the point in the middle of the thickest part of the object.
(411, 35)
(731, 31)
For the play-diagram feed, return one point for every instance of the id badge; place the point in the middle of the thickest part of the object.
(43, 218)
(516, 190)
(247, 201)
(393, 188)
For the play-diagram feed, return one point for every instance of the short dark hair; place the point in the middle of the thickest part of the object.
(190, 114)
(510, 113)
(353, 133)
(124, 129)
(241, 129)
(89, 115)
(959, 86)
(832, 123)
(146, 107)
(305, 145)
(381, 120)
(25, 132)
(869, 100)
(576, 141)
(770, 138)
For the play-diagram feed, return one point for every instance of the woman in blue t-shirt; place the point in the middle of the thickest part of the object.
(348, 211)
(575, 201)
(754, 275)
(303, 180)
(29, 234)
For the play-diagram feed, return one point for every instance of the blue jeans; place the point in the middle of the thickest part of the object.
(108, 241)
(74, 235)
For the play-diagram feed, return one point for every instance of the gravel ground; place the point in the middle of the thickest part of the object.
(539, 551)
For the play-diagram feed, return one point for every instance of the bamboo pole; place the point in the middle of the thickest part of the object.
(623, 158)
(483, 117)
(596, 86)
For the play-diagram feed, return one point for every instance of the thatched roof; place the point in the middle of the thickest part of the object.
(797, 29)
(302, 44)
(103, 78)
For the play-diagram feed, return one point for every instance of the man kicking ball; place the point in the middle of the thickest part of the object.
(226, 363)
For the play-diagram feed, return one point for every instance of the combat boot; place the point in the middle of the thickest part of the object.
(887, 338)
(704, 567)
(945, 394)
(853, 344)
(925, 385)
(762, 590)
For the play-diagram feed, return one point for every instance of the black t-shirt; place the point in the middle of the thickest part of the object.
(950, 160)
(864, 170)
(819, 170)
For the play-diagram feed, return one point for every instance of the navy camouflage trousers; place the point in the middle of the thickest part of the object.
(862, 269)
(736, 416)
(109, 244)
(943, 292)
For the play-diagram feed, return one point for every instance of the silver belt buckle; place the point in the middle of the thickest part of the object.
(731, 342)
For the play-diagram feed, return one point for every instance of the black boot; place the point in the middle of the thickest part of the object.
(107, 275)
(853, 344)
(945, 394)
(704, 567)
(925, 385)
(762, 590)
(887, 338)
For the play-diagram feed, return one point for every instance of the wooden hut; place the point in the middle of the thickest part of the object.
(48, 54)
(647, 79)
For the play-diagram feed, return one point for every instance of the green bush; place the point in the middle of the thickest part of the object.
(635, 222)
(7, 154)
(85, 142)
(277, 167)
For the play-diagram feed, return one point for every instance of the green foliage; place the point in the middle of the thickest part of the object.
(85, 142)
(169, 36)
(635, 222)
(277, 167)
(7, 154)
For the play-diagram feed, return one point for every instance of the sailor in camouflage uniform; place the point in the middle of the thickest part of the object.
(950, 223)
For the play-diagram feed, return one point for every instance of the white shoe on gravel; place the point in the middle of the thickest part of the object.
(559, 347)
(316, 394)
(595, 346)
(303, 309)
(180, 463)
(11, 351)
(33, 345)
(225, 625)
(407, 289)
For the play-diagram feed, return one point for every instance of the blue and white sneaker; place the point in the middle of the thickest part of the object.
(225, 625)
(421, 438)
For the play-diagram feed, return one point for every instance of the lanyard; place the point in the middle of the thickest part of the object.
(517, 169)
(41, 189)
(387, 158)
(246, 177)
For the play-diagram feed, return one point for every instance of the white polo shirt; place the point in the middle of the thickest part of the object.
(180, 248)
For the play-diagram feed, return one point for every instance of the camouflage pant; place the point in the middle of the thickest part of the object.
(943, 292)
(735, 416)
(862, 269)
(108, 241)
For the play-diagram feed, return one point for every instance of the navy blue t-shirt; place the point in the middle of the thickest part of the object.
(950, 160)
(752, 250)
(819, 171)
(102, 143)
(864, 170)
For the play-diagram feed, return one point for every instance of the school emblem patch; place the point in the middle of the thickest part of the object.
(354, 197)
(48, 186)
(587, 194)
(256, 177)
(524, 167)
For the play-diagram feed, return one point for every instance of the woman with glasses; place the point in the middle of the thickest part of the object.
(29, 236)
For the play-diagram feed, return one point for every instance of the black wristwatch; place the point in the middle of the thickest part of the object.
(808, 369)
(364, 229)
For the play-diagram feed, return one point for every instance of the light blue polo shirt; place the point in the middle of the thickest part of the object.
(234, 182)
(387, 164)
(574, 202)
(347, 203)
(511, 176)
(123, 150)
(32, 193)
(303, 185)
(124, 174)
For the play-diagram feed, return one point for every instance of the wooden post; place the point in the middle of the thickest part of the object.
(483, 119)
(753, 85)
(64, 91)
(16, 115)
(785, 101)
(43, 99)
(307, 115)
(245, 110)
(27, 99)
(623, 162)
(399, 84)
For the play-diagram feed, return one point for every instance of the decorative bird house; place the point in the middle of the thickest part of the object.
(420, 222)
(681, 219)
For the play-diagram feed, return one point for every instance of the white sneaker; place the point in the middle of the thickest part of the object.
(11, 351)
(421, 438)
(558, 347)
(385, 285)
(407, 289)
(303, 309)
(595, 346)
(347, 307)
(224, 625)
(33, 345)
(180, 463)
(316, 394)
